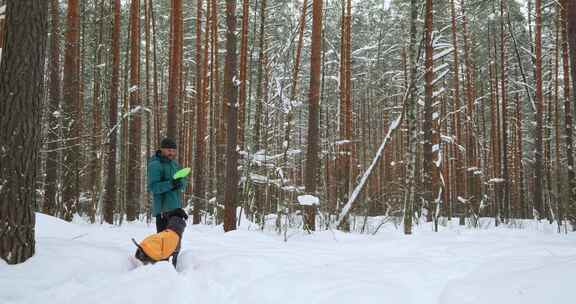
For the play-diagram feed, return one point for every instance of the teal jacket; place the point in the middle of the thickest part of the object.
(160, 172)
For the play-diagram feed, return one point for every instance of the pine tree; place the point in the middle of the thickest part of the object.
(21, 86)
(409, 197)
(539, 144)
(312, 159)
(201, 122)
(230, 99)
(571, 37)
(174, 81)
(71, 105)
(51, 196)
(110, 194)
(133, 189)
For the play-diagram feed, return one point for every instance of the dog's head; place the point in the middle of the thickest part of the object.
(181, 213)
(142, 257)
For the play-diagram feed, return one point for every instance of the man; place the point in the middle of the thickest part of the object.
(166, 191)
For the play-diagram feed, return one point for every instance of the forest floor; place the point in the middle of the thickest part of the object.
(83, 263)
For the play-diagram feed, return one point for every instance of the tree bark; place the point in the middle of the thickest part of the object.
(472, 192)
(409, 196)
(231, 96)
(458, 165)
(243, 72)
(201, 123)
(571, 37)
(312, 160)
(429, 166)
(133, 189)
(519, 154)
(51, 197)
(175, 69)
(503, 87)
(21, 87)
(260, 90)
(71, 102)
(96, 136)
(157, 113)
(110, 191)
(539, 145)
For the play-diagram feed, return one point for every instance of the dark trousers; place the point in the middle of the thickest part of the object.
(161, 225)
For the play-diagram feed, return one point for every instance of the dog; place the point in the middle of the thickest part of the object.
(160, 246)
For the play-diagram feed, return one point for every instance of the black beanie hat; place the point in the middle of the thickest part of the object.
(168, 143)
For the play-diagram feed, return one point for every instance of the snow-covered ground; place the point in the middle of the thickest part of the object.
(82, 263)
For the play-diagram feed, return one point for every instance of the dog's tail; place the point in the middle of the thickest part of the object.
(136, 243)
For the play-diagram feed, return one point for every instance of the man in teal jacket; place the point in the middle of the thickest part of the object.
(166, 191)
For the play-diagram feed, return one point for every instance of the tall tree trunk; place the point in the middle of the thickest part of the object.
(71, 102)
(110, 191)
(231, 95)
(243, 72)
(539, 144)
(125, 128)
(312, 160)
(133, 190)
(295, 74)
(519, 154)
(410, 112)
(199, 175)
(221, 139)
(53, 161)
(429, 166)
(175, 72)
(201, 122)
(571, 37)
(344, 147)
(503, 87)
(557, 120)
(260, 92)
(495, 130)
(456, 121)
(21, 87)
(471, 191)
(150, 114)
(157, 113)
(219, 108)
(95, 161)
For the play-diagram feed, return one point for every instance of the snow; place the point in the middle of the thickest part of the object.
(441, 67)
(447, 139)
(342, 142)
(88, 264)
(496, 180)
(387, 4)
(440, 77)
(308, 200)
(236, 81)
(443, 53)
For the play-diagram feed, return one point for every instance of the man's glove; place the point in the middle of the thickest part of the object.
(177, 184)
